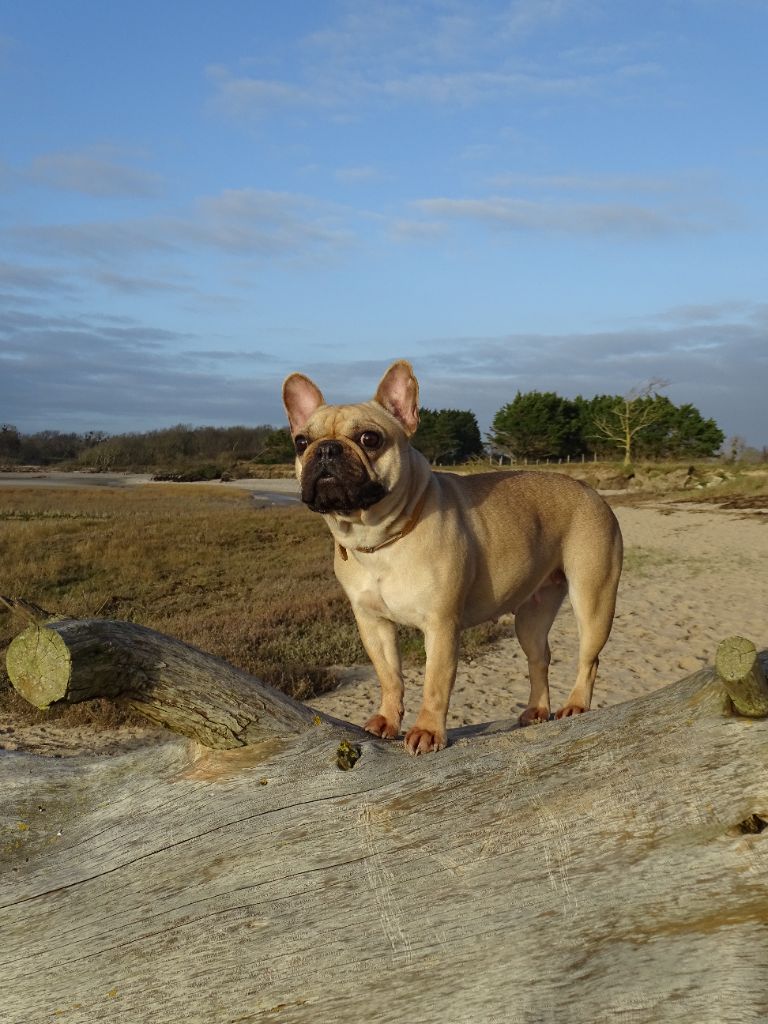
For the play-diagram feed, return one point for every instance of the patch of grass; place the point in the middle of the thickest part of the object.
(254, 586)
(27, 516)
(644, 561)
(733, 482)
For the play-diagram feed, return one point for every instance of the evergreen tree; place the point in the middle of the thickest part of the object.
(537, 425)
(693, 436)
(447, 435)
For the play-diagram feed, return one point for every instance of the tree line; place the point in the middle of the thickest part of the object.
(535, 425)
(542, 425)
(209, 451)
(643, 424)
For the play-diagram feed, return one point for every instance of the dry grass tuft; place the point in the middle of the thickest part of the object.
(254, 586)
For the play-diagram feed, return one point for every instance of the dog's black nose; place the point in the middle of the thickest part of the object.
(328, 450)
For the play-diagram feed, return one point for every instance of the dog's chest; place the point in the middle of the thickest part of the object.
(373, 587)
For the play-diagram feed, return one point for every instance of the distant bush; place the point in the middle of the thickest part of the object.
(191, 475)
(174, 450)
(185, 449)
(44, 448)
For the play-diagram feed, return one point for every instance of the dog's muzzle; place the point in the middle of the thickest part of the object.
(334, 478)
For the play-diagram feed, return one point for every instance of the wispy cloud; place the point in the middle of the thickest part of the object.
(524, 16)
(122, 376)
(514, 215)
(236, 221)
(359, 175)
(133, 284)
(238, 96)
(259, 222)
(99, 171)
(591, 183)
(432, 31)
(472, 87)
(18, 277)
(417, 230)
(228, 356)
(379, 35)
(250, 97)
(733, 311)
(424, 52)
(94, 241)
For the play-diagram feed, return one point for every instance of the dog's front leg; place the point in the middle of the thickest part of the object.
(441, 640)
(379, 638)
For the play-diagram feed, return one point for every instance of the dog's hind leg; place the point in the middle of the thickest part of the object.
(533, 621)
(593, 596)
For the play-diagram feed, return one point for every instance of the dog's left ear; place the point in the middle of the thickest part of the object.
(398, 392)
(301, 397)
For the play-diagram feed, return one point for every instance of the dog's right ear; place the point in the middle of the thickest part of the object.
(300, 397)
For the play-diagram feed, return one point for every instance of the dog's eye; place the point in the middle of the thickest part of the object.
(301, 444)
(370, 439)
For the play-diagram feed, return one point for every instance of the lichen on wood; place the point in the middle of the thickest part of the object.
(741, 673)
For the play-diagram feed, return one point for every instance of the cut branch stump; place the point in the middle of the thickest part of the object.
(742, 675)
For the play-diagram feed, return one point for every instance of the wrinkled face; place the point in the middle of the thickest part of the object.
(349, 457)
(346, 457)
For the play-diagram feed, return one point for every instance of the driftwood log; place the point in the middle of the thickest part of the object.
(175, 685)
(611, 867)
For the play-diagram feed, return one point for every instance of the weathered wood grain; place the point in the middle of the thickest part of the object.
(597, 869)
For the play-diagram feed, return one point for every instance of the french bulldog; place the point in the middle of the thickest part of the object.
(442, 552)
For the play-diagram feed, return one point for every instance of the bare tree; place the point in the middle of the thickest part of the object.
(736, 446)
(632, 414)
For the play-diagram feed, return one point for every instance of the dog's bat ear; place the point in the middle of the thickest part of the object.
(300, 397)
(398, 392)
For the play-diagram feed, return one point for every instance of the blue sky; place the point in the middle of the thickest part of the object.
(198, 198)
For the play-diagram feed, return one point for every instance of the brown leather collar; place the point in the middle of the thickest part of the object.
(391, 540)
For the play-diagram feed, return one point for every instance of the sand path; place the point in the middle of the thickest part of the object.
(693, 575)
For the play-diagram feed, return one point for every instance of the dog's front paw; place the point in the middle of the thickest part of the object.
(380, 726)
(533, 716)
(424, 741)
(570, 710)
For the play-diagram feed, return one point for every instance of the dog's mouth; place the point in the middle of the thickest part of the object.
(338, 487)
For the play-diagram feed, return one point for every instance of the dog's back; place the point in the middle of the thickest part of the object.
(549, 505)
